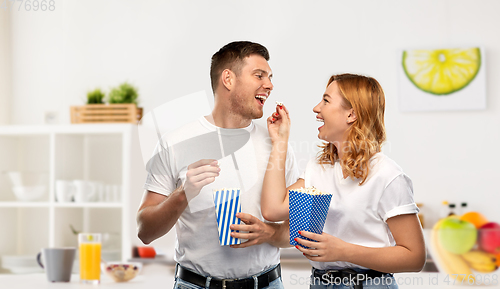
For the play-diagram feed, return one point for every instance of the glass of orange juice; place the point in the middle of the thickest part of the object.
(90, 258)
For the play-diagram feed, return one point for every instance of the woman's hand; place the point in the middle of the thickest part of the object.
(278, 124)
(408, 255)
(327, 248)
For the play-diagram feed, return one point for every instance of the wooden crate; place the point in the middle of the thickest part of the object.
(106, 113)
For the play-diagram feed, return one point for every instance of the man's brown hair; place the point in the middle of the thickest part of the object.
(232, 56)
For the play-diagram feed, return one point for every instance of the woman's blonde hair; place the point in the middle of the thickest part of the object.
(367, 133)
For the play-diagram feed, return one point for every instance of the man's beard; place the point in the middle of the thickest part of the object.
(245, 111)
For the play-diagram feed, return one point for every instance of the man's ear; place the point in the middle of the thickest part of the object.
(227, 79)
(352, 117)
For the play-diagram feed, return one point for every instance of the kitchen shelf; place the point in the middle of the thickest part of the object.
(58, 205)
(24, 204)
(88, 205)
(104, 153)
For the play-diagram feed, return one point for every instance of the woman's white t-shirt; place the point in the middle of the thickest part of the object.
(358, 214)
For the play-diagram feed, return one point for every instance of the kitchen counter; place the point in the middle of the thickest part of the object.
(295, 275)
(151, 276)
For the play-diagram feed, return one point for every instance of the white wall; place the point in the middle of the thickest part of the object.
(164, 47)
(5, 68)
(37, 57)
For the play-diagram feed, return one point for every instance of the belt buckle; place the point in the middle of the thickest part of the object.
(329, 272)
(358, 284)
(224, 282)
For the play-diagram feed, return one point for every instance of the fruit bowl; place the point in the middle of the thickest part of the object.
(467, 251)
(122, 272)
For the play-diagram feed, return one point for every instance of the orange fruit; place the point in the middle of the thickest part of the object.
(475, 218)
(498, 260)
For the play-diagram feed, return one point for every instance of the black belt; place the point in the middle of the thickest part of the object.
(346, 276)
(215, 283)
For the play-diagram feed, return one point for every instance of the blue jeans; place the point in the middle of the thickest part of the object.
(181, 284)
(386, 282)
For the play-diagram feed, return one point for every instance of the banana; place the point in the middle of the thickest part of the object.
(484, 268)
(452, 263)
(476, 256)
(481, 261)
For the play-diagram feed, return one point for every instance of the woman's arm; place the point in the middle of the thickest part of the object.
(274, 199)
(408, 255)
(278, 211)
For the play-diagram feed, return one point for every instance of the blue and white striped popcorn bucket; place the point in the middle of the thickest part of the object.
(307, 213)
(227, 204)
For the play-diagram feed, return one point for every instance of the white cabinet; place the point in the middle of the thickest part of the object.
(106, 154)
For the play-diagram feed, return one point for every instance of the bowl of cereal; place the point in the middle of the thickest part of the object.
(122, 272)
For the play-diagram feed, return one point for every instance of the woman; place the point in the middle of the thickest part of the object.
(372, 228)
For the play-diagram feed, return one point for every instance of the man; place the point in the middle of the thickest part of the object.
(222, 150)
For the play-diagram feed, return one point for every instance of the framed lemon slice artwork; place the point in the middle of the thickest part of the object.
(442, 79)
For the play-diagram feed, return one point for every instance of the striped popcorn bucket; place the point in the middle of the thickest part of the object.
(227, 204)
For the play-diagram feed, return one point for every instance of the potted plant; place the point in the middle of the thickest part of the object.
(121, 106)
(95, 96)
(124, 93)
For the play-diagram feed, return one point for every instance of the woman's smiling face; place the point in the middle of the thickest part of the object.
(333, 114)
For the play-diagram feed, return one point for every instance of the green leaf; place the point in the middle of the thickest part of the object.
(124, 93)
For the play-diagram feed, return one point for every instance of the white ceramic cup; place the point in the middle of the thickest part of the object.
(116, 193)
(85, 191)
(112, 193)
(65, 190)
(99, 192)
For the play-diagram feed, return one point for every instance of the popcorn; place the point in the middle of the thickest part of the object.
(308, 209)
(310, 191)
(279, 103)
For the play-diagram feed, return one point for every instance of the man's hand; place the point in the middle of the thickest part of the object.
(200, 174)
(258, 232)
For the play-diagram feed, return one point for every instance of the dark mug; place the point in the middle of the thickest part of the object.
(58, 263)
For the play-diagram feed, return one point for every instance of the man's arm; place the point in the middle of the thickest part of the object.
(281, 238)
(159, 213)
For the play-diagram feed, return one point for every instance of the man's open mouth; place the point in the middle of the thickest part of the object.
(262, 98)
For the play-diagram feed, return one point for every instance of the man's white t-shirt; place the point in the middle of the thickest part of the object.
(358, 214)
(243, 155)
